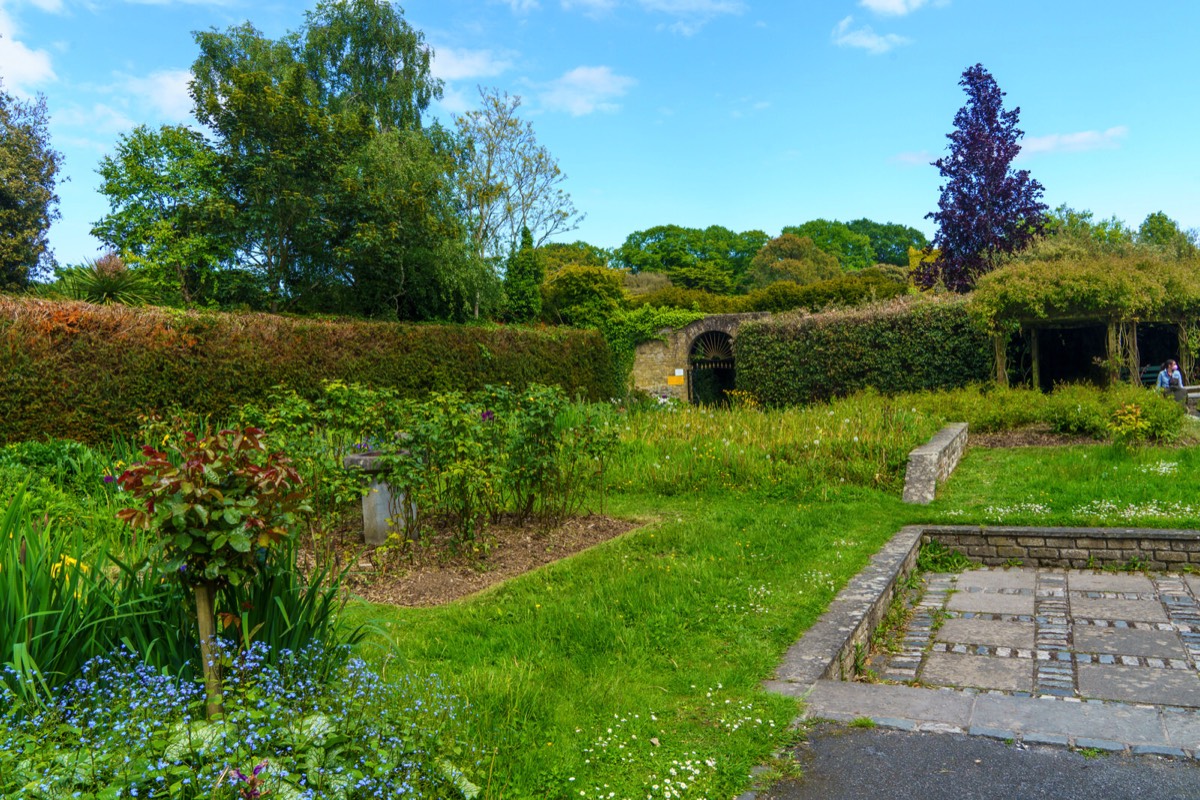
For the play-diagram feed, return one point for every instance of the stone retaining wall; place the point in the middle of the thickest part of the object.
(932, 463)
(1078, 548)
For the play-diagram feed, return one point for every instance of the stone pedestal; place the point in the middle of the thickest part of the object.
(380, 507)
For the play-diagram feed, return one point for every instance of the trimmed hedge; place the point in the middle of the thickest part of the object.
(907, 345)
(79, 371)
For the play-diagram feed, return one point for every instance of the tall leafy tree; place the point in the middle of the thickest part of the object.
(168, 211)
(1163, 233)
(986, 210)
(715, 259)
(889, 240)
(852, 250)
(507, 181)
(792, 258)
(28, 204)
(556, 255)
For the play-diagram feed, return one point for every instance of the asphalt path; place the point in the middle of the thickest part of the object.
(844, 763)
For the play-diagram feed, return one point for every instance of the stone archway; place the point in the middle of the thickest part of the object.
(666, 367)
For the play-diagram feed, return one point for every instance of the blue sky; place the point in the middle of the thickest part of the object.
(743, 113)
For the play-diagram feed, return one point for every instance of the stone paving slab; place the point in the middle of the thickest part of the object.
(991, 603)
(1107, 608)
(1091, 581)
(1151, 643)
(995, 580)
(995, 633)
(1140, 684)
(976, 671)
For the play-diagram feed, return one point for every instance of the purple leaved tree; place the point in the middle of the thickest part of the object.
(987, 210)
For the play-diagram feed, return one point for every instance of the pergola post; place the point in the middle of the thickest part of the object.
(1131, 353)
(1033, 354)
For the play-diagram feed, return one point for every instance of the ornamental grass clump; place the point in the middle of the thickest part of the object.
(219, 506)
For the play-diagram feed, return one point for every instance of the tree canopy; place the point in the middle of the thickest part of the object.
(889, 240)
(852, 250)
(714, 259)
(28, 204)
(986, 210)
(792, 258)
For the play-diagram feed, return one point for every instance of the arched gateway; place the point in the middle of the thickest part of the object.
(695, 363)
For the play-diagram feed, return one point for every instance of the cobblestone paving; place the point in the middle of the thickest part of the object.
(1056, 633)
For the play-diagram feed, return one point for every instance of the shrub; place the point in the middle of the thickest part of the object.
(898, 347)
(691, 299)
(582, 295)
(83, 372)
(106, 280)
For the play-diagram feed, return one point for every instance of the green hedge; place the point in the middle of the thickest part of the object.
(78, 371)
(906, 345)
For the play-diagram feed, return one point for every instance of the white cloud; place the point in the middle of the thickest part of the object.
(584, 90)
(21, 68)
(100, 118)
(455, 101)
(919, 158)
(453, 64)
(896, 8)
(1073, 142)
(691, 15)
(865, 38)
(522, 6)
(50, 6)
(165, 91)
(591, 7)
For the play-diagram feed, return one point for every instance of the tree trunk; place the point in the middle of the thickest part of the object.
(207, 620)
(1000, 346)
(1036, 366)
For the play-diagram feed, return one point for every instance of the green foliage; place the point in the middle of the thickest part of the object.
(167, 211)
(936, 557)
(86, 372)
(1163, 233)
(625, 331)
(106, 280)
(1127, 425)
(852, 250)
(1107, 234)
(522, 282)
(583, 296)
(218, 505)
(898, 347)
(714, 259)
(792, 258)
(698, 300)
(556, 255)
(844, 291)
(28, 205)
(890, 241)
(289, 731)
(1062, 280)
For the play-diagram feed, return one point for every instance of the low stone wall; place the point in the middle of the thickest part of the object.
(829, 647)
(932, 463)
(1077, 548)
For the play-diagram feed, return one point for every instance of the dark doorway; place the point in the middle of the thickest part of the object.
(712, 372)
(1157, 343)
(1071, 355)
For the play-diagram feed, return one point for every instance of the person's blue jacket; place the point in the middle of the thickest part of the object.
(1164, 378)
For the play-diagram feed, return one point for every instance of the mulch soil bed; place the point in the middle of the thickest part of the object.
(434, 572)
(1032, 436)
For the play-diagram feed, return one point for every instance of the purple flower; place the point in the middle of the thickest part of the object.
(488, 415)
(109, 479)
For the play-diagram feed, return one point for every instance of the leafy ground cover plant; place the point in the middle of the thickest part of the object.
(122, 729)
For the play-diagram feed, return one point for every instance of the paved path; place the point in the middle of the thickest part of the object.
(857, 764)
(1093, 660)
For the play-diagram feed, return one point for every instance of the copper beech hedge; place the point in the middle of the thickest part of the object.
(85, 372)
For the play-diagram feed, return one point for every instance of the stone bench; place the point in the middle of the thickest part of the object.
(932, 463)
(379, 504)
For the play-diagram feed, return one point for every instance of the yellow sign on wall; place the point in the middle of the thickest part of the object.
(675, 380)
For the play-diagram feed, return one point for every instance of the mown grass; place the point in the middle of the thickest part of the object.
(1101, 485)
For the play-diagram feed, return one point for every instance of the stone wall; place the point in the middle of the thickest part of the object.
(661, 367)
(932, 463)
(1077, 548)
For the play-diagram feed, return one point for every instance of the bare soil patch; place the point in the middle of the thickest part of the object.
(1031, 436)
(433, 572)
